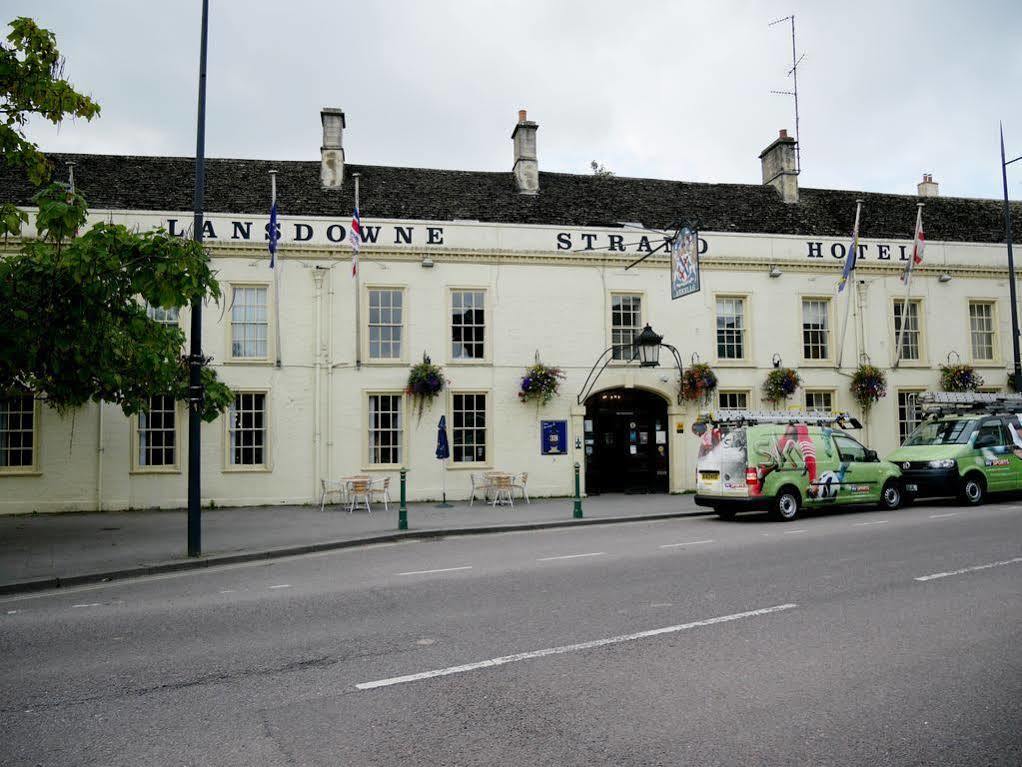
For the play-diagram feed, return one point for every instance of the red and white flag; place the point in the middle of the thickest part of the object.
(918, 246)
(355, 238)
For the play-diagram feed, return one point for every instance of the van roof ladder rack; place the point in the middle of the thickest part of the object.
(754, 417)
(938, 403)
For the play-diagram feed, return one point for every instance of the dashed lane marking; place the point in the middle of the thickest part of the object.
(875, 522)
(684, 543)
(281, 586)
(503, 660)
(964, 570)
(572, 556)
(949, 514)
(89, 604)
(792, 532)
(439, 570)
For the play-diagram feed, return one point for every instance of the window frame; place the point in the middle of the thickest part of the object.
(922, 361)
(917, 390)
(489, 444)
(746, 392)
(34, 468)
(367, 464)
(150, 308)
(995, 336)
(270, 329)
(745, 360)
(179, 445)
(403, 358)
(488, 314)
(819, 390)
(609, 329)
(267, 465)
(828, 359)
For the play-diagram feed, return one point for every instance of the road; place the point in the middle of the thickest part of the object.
(871, 638)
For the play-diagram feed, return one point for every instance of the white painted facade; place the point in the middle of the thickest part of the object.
(540, 297)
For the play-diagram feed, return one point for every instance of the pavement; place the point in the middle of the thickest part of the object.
(42, 551)
(844, 638)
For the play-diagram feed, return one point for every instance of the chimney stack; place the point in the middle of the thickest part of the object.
(526, 167)
(331, 167)
(779, 168)
(927, 187)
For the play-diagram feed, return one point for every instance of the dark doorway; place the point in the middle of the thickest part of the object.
(626, 442)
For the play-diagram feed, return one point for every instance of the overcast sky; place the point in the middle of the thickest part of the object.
(681, 90)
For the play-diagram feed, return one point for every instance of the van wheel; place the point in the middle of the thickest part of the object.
(725, 513)
(974, 490)
(891, 497)
(787, 504)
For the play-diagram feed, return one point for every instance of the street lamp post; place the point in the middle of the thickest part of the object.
(645, 348)
(195, 359)
(1016, 376)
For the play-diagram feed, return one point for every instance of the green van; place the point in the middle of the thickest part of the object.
(780, 462)
(967, 446)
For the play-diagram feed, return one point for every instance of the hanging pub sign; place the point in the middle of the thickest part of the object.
(685, 263)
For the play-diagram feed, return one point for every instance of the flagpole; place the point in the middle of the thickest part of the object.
(276, 270)
(908, 282)
(358, 297)
(848, 304)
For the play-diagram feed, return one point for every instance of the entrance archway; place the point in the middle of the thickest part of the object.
(626, 442)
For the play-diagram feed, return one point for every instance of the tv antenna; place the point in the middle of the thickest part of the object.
(793, 74)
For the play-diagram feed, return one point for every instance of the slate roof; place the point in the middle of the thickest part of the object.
(242, 186)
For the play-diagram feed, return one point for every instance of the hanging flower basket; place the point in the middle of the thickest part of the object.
(698, 383)
(425, 382)
(868, 385)
(780, 384)
(540, 384)
(960, 377)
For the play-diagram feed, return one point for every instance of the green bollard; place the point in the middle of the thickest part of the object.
(402, 509)
(577, 512)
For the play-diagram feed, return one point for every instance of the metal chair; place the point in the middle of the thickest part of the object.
(518, 482)
(379, 489)
(339, 486)
(358, 492)
(480, 483)
(502, 490)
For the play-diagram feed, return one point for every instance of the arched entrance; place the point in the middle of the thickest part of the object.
(626, 442)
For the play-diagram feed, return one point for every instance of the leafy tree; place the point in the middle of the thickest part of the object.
(32, 83)
(75, 327)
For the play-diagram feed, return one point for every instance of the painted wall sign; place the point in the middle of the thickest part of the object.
(553, 437)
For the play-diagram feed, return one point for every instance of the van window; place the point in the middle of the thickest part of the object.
(991, 428)
(850, 449)
(955, 431)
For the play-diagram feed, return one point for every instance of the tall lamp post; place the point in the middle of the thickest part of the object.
(195, 360)
(1016, 376)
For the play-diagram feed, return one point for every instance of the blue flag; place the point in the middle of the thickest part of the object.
(852, 254)
(273, 235)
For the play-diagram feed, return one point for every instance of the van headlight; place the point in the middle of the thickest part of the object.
(943, 463)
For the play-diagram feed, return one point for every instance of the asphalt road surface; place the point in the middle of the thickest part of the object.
(876, 638)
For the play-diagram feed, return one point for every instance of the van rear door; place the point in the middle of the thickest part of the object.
(721, 468)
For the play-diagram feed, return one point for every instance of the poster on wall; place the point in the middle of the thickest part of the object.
(553, 437)
(685, 263)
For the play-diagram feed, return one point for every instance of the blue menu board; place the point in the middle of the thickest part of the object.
(553, 437)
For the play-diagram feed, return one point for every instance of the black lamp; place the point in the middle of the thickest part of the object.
(647, 347)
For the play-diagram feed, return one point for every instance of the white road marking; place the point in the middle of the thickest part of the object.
(90, 604)
(440, 570)
(572, 556)
(684, 543)
(949, 514)
(281, 586)
(876, 522)
(13, 612)
(226, 591)
(964, 570)
(569, 648)
(792, 532)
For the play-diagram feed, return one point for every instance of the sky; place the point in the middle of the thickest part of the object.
(671, 89)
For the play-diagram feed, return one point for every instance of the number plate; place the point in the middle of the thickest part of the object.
(912, 488)
(709, 475)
